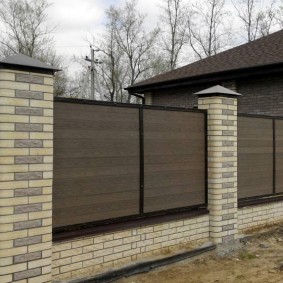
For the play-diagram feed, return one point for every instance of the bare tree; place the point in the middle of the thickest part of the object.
(112, 71)
(279, 15)
(25, 31)
(134, 41)
(174, 21)
(207, 31)
(256, 22)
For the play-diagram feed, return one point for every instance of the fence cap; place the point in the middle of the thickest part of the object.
(217, 90)
(21, 61)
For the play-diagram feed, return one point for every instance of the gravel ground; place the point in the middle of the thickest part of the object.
(260, 259)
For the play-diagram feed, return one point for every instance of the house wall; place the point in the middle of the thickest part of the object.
(261, 95)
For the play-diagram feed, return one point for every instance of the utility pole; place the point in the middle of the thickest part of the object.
(92, 69)
(92, 73)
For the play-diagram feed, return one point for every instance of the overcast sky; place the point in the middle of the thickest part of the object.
(77, 19)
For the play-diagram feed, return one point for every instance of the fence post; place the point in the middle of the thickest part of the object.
(221, 106)
(26, 161)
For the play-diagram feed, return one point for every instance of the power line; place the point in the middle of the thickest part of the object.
(63, 46)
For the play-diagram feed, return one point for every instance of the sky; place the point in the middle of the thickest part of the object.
(76, 20)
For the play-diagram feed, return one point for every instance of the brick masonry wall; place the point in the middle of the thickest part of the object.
(26, 157)
(259, 216)
(222, 166)
(82, 257)
(261, 95)
(177, 97)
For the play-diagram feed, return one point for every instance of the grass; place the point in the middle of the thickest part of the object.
(246, 256)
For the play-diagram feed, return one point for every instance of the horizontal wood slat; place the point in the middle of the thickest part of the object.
(96, 163)
(255, 157)
(279, 156)
(174, 159)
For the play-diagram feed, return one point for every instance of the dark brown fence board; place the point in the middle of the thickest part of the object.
(279, 156)
(255, 157)
(103, 184)
(96, 163)
(91, 214)
(174, 159)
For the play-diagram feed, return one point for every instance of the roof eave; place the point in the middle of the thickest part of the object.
(207, 78)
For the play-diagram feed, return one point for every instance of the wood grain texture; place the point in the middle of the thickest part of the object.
(279, 156)
(96, 163)
(255, 157)
(174, 159)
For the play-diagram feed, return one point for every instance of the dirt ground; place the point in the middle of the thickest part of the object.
(260, 259)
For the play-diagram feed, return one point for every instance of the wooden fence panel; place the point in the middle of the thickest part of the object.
(255, 157)
(174, 159)
(96, 163)
(279, 156)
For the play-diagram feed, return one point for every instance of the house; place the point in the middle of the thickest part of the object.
(254, 69)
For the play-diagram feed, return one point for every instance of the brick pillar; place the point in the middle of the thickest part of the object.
(221, 106)
(26, 161)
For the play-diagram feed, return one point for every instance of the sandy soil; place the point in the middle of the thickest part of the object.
(259, 260)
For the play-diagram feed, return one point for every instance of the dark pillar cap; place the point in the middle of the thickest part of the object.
(25, 63)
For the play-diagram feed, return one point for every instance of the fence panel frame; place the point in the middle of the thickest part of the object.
(267, 197)
(81, 229)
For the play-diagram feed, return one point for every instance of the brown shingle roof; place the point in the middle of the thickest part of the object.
(267, 50)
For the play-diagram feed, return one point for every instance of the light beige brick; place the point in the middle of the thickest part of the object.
(14, 85)
(13, 168)
(48, 81)
(14, 218)
(71, 267)
(7, 76)
(40, 198)
(40, 87)
(6, 177)
(40, 183)
(48, 175)
(16, 201)
(7, 126)
(7, 109)
(48, 96)
(47, 112)
(7, 118)
(41, 136)
(42, 120)
(39, 263)
(14, 184)
(40, 167)
(41, 151)
(13, 135)
(13, 151)
(41, 103)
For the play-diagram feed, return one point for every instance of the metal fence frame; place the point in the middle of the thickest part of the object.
(264, 198)
(103, 225)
